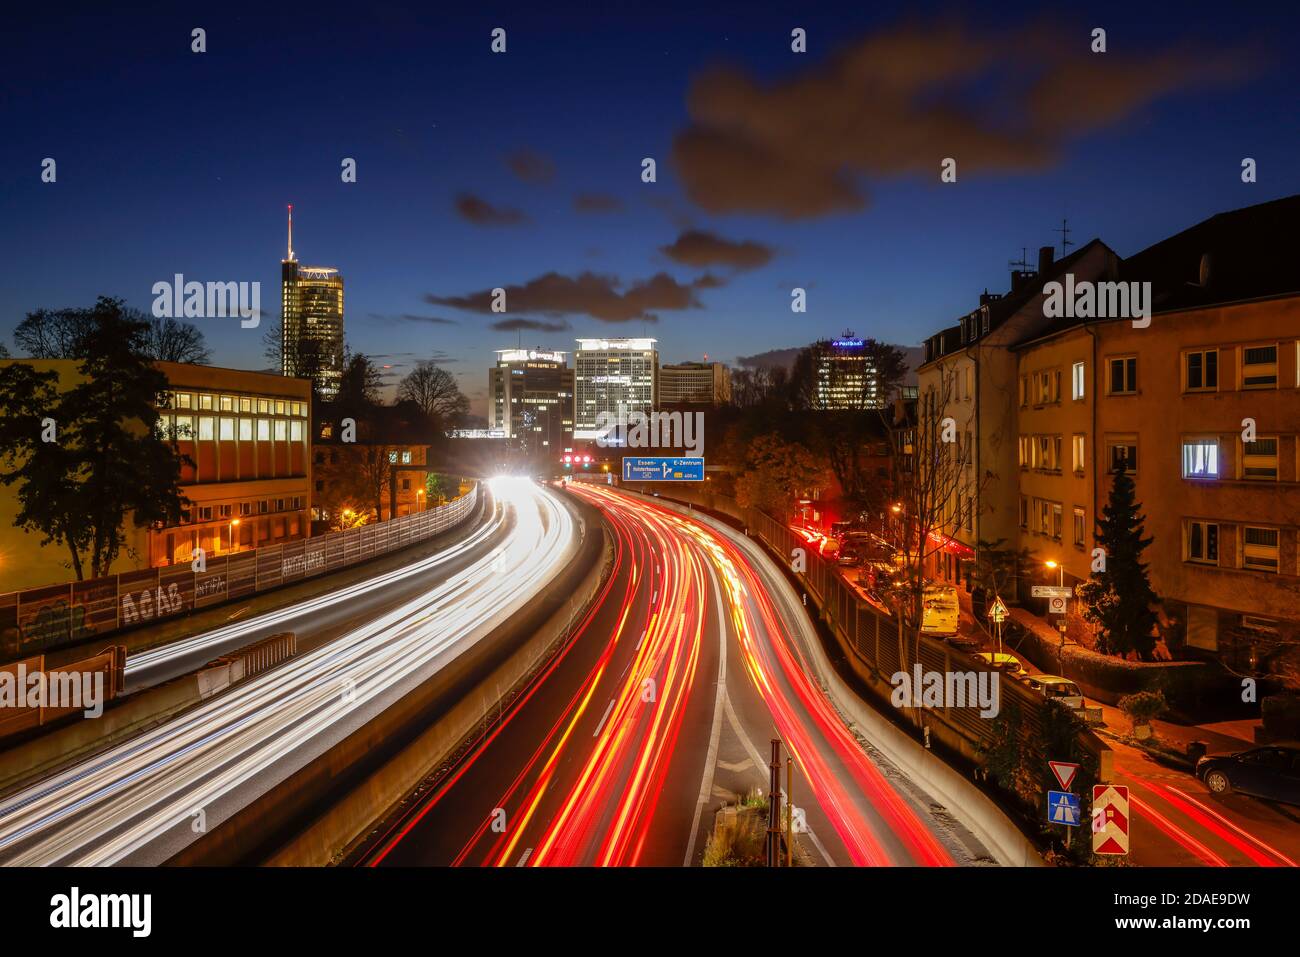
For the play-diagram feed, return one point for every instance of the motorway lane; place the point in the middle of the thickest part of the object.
(136, 802)
(659, 708)
(322, 617)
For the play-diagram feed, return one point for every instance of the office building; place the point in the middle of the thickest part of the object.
(846, 376)
(694, 383)
(530, 399)
(311, 299)
(612, 376)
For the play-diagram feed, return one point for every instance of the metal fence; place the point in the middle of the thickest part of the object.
(38, 620)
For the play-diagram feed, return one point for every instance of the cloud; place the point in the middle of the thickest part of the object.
(531, 167)
(698, 248)
(899, 101)
(531, 325)
(479, 211)
(597, 203)
(606, 298)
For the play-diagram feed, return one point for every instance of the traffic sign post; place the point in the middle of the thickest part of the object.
(1051, 591)
(1110, 819)
(663, 469)
(999, 614)
(1063, 808)
(1064, 772)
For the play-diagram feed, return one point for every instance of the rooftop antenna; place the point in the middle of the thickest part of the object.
(1023, 261)
(291, 232)
(1064, 230)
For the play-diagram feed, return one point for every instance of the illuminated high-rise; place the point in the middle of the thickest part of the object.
(530, 399)
(846, 375)
(612, 376)
(311, 299)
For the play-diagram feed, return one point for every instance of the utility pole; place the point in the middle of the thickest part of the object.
(789, 812)
(774, 807)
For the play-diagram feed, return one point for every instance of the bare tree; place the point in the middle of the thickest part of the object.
(169, 340)
(435, 391)
(54, 333)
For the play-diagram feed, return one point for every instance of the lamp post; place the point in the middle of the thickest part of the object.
(419, 499)
(234, 522)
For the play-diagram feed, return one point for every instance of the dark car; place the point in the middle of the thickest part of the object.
(1271, 772)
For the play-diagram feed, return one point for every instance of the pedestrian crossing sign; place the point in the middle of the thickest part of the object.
(1063, 808)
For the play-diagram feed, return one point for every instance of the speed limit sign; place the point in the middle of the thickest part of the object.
(1057, 606)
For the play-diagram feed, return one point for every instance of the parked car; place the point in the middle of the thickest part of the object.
(848, 556)
(1057, 688)
(1002, 661)
(1271, 772)
(939, 610)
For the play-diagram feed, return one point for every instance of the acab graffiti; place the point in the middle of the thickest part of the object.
(150, 603)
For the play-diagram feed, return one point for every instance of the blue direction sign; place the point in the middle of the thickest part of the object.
(1063, 808)
(663, 470)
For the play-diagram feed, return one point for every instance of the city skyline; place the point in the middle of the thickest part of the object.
(454, 197)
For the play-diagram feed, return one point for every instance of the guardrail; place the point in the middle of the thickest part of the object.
(38, 620)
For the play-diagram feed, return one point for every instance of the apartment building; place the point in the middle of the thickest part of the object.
(1203, 408)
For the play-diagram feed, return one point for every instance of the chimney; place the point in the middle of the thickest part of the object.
(1045, 257)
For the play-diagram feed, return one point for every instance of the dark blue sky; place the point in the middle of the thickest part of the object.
(172, 162)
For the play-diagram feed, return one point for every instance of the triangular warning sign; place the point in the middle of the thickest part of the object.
(1064, 771)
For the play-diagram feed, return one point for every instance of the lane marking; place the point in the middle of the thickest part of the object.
(605, 718)
(524, 860)
(715, 733)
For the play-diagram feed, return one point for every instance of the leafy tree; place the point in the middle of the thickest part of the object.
(776, 474)
(435, 391)
(1119, 598)
(106, 463)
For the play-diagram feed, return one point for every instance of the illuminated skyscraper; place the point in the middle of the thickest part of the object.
(612, 376)
(846, 376)
(311, 299)
(530, 398)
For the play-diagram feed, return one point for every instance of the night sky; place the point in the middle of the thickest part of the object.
(523, 170)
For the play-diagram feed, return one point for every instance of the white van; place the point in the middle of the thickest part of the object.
(940, 610)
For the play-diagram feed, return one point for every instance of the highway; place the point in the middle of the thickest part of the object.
(139, 801)
(661, 707)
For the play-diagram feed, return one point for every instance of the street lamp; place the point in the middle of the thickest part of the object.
(234, 522)
(419, 498)
(1059, 569)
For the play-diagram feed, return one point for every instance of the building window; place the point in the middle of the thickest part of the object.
(1079, 451)
(205, 513)
(406, 458)
(1022, 451)
(1124, 452)
(183, 400)
(245, 430)
(1057, 520)
(1024, 391)
(227, 511)
(281, 430)
(1080, 526)
(406, 485)
(1200, 458)
(184, 427)
(245, 404)
(226, 429)
(1123, 375)
(227, 403)
(295, 431)
(1203, 542)
(205, 403)
(1261, 548)
(392, 458)
(263, 406)
(263, 430)
(245, 508)
(207, 426)
(1044, 516)
(279, 406)
(1201, 371)
(1259, 459)
(1024, 511)
(1259, 367)
(1078, 385)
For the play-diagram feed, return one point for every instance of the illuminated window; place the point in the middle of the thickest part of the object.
(227, 403)
(295, 431)
(184, 400)
(245, 430)
(263, 406)
(263, 430)
(207, 427)
(281, 430)
(185, 427)
(279, 406)
(226, 430)
(1080, 526)
(205, 402)
(1078, 383)
(1080, 446)
(245, 404)
(1200, 458)
(406, 458)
